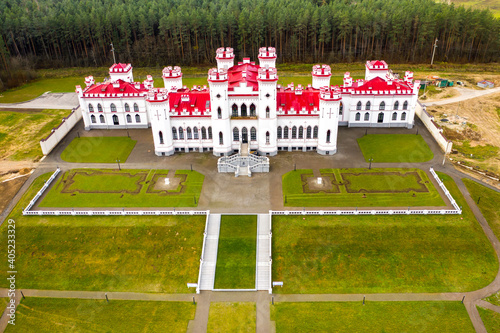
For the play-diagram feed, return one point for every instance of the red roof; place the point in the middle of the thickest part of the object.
(190, 101)
(120, 68)
(289, 99)
(378, 86)
(110, 90)
(377, 64)
(243, 72)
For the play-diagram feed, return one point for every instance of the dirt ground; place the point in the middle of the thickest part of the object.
(8, 189)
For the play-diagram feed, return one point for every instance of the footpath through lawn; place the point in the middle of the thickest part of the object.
(491, 319)
(236, 255)
(104, 253)
(382, 253)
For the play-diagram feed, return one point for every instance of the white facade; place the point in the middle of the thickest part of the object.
(244, 104)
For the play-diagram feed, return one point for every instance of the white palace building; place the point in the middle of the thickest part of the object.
(244, 103)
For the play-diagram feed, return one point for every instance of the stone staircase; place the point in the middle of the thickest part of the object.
(243, 163)
(209, 262)
(264, 261)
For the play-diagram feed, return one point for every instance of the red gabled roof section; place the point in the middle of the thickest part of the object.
(288, 100)
(243, 72)
(109, 90)
(187, 102)
(120, 68)
(377, 64)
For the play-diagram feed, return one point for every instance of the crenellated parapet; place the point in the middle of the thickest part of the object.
(217, 75)
(267, 74)
(321, 75)
(331, 93)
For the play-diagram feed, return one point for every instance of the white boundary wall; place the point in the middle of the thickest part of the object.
(434, 129)
(202, 258)
(60, 131)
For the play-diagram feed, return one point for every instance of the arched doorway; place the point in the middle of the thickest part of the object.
(244, 135)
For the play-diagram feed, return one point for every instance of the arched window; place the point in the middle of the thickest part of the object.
(189, 134)
(136, 107)
(308, 132)
(113, 107)
(174, 133)
(368, 106)
(236, 134)
(315, 132)
(219, 113)
(99, 107)
(403, 116)
(127, 107)
(294, 132)
(234, 110)
(91, 108)
(92, 119)
(301, 132)
(203, 133)
(243, 110)
(285, 132)
(358, 116)
(244, 135)
(268, 112)
(405, 105)
(160, 134)
(328, 136)
(253, 134)
(252, 110)
(396, 105)
(195, 133)
(280, 132)
(382, 106)
(101, 119)
(129, 119)
(181, 133)
(367, 116)
(395, 116)
(221, 138)
(209, 132)
(267, 138)
(137, 118)
(115, 120)
(358, 106)
(341, 110)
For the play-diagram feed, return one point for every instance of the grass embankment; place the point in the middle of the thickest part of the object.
(98, 149)
(388, 187)
(53, 315)
(236, 253)
(124, 188)
(491, 319)
(382, 254)
(22, 130)
(371, 317)
(395, 148)
(111, 253)
(232, 317)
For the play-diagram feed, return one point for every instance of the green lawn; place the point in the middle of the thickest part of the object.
(123, 188)
(395, 148)
(236, 253)
(22, 130)
(232, 317)
(491, 320)
(104, 253)
(389, 187)
(4, 301)
(371, 317)
(53, 315)
(98, 149)
(381, 254)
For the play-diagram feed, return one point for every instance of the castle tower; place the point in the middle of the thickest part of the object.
(347, 80)
(267, 57)
(268, 120)
(121, 72)
(376, 68)
(329, 103)
(321, 75)
(225, 58)
(219, 105)
(159, 113)
(172, 77)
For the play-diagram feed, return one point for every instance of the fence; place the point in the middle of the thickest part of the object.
(434, 129)
(39, 194)
(60, 131)
(202, 258)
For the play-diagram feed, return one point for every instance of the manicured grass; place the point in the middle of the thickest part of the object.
(232, 317)
(371, 317)
(395, 148)
(123, 188)
(494, 299)
(110, 253)
(22, 130)
(52, 315)
(236, 254)
(381, 254)
(389, 187)
(98, 149)
(4, 301)
(491, 320)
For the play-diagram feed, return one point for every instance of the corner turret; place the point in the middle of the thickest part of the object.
(225, 58)
(267, 57)
(321, 75)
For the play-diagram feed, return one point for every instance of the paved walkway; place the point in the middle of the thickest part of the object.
(207, 276)
(264, 260)
(47, 101)
(465, 94)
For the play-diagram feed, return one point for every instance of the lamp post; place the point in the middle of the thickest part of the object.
(370, 160)
(118, 161)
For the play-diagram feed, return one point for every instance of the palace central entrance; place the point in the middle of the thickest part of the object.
(244, 135)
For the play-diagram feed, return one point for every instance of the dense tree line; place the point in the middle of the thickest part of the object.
(54, 33)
